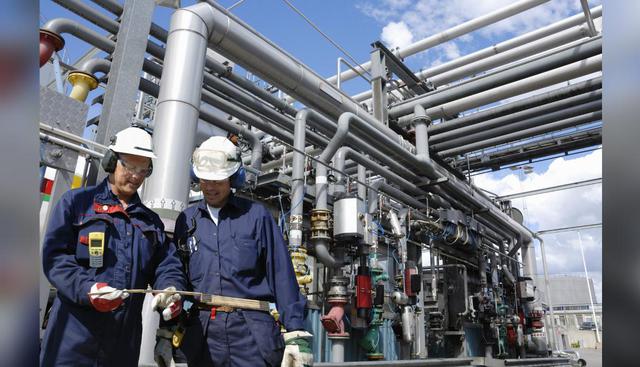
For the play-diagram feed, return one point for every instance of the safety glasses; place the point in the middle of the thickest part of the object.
(208, 160)
(133, 170)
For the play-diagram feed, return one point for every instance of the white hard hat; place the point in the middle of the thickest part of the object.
(217, 158)
(133, 140)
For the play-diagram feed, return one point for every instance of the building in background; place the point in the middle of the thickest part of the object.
(572, 309)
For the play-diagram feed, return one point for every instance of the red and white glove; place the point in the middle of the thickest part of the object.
(169, 304)
(107, 299)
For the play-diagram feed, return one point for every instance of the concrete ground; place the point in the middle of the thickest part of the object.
(592, 356)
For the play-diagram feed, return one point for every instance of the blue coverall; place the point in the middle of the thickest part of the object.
(136, 253)
(243, 256)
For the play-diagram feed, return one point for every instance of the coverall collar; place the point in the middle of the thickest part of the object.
(106, 197)
(232, 203)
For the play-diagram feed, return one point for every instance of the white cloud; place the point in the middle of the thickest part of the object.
(560, 209)
(396, 35)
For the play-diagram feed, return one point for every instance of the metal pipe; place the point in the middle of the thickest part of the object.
(177, 112)
(498, 48)
(339, 162)
(66, 144)
(561, 74)
(452, 33)
(517, 116)
(588, 18)
(70, 136)
(589, 48)
(93, 66)
(490, 129)
(297, 179)
(516, 106)
(421, 122)
(402, 196)
(157, 51)
(547, 288)
(519, 53)
(240, 43)
(527, 133)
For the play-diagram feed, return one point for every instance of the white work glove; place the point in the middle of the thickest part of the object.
(169, 304)
(163, 351)
(297, 351)
(105, 298)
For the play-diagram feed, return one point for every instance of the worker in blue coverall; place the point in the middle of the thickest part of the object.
(235, 249)
(100, 241)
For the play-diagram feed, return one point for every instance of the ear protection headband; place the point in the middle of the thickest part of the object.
(239, 178)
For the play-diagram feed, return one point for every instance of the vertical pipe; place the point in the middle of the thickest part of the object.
(554, 331)
(177, 111)
(421, 121)
(297, 179)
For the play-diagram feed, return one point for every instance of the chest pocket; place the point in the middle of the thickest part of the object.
(246, 251)
(97, 223)
(148, 238)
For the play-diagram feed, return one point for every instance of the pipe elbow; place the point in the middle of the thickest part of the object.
(50, 42)
(322, 254)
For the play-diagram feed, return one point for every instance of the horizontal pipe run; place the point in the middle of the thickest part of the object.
(561, 74)
(558, 125)
(490, 129)
(72, 146)
(542, 45)
(451, 33)
(70, 136)
(590, 48)
(498, 48)
(515, 107)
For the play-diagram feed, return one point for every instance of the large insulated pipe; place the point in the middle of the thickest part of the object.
(157, 51)
(589, 48)
(490, 129)
(525, 133)
(421, 122)
(561, 74)
(504, 120)
(451, 33)
(177, 111)
(556, 28)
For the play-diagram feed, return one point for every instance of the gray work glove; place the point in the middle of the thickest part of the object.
(163, 351)
(297, 350)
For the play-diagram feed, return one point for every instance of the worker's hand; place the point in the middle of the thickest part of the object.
(163, 351)
(297, 351)
(169, 304)
(107, 298)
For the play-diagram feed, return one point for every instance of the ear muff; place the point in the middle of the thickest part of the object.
(238, 179)
(109, 161)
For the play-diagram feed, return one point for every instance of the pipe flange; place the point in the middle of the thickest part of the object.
(54, 38)
(80, 76)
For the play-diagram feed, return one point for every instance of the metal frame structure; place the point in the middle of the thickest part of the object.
(364, 193)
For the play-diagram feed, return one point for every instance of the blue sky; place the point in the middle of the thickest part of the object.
(356, 24)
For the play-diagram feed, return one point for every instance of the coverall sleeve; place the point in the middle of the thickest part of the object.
(281, 277)
(169, 269)
(72, 280)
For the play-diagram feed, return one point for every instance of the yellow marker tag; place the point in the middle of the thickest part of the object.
(176, 340)
(96, 249)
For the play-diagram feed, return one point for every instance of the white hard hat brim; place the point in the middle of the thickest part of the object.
(134, 151)
(216, 176)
